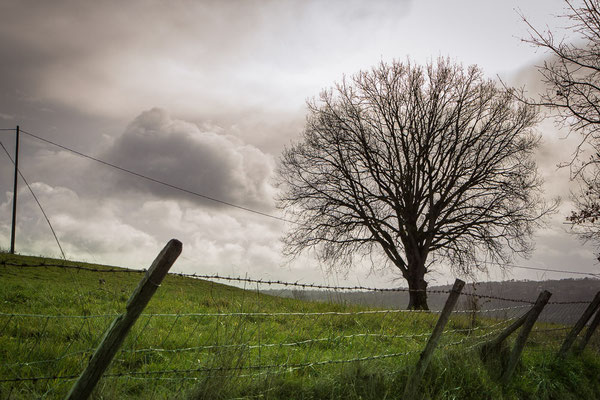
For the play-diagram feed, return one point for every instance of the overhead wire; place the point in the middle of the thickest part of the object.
(160, 182)
(542, 269)
(197, 194)
(37, 201)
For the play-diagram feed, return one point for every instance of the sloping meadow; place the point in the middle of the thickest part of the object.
(199, 339)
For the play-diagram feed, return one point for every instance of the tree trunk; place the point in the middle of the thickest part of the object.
(417, 291)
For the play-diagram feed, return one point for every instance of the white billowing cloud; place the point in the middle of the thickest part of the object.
(213, 241)
(87, 228)
(201, 160)
(105, 215)
(101, 230)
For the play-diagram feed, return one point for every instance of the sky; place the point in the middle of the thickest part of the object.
(205, 95)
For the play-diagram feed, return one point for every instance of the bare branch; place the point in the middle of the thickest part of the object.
(410, 160)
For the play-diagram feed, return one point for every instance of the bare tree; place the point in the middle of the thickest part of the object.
(572, 78)
(419, 163)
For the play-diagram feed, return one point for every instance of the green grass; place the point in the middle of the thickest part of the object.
(219, 357)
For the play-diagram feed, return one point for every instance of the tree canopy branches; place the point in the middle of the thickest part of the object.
(414, 161)
(572, 78)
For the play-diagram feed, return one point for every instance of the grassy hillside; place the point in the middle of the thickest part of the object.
(204, 340)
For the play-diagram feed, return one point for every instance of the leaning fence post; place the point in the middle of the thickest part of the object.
(116, 333)
(413, 382)
(494, 343)
(588, 334)
(532, 316)
(587, 314)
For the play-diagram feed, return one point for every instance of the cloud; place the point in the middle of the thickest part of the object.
(113, 58)
(236, 75)
(129, 231)
(204, 160)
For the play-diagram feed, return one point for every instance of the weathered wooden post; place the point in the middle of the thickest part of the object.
(415, 379)
(588, 334)
(528, 323)
(587, 314)
(116, 333)
(495, 343)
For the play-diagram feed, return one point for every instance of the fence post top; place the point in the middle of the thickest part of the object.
(157, 271)
(458, 285)
(544, 296)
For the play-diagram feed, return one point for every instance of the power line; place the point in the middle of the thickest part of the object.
(122, 169)
(542, 269)
(37, 201)
(139, 175)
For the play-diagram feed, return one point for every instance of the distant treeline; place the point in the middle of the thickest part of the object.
(564, 290)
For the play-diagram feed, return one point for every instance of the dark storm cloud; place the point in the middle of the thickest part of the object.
(199, 159)
(115, 58)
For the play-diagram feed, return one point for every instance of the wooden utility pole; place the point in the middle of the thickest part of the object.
(14, 208)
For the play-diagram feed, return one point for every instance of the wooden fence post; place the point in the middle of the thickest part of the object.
(587, 314)
(494, 343)
(415, 379)
(588, 334)
(532, 316)
(116, 333)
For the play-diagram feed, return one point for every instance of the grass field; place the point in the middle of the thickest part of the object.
(204, 340)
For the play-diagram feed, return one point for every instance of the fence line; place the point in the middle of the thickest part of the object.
(267, 345)
(371, 339)
(285, 283)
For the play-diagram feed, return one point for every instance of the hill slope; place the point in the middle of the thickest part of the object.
(564, 290)
(200, 339)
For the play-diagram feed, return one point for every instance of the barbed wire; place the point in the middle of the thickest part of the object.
(570, 302)
(468, 338)
(479, 311)
(76, 267)
(256, 346)
(286, 283)
(59, 315)
(538, 330)
(335, 338)
(263, 314)
(51, 360)
(231, 314)
(324, 339)
(244, 345)
(218, 369)
(282, 367)
(270, 368)
(285, 367)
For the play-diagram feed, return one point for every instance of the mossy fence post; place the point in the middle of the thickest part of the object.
(525, 322)
(588, 334)
(116, 333)
(415, 379)
(585, 317)
(532, 316)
